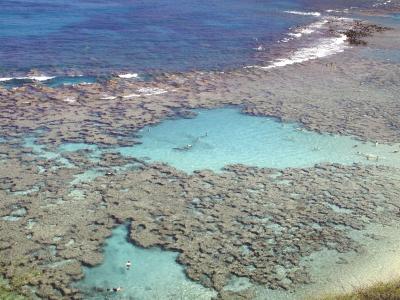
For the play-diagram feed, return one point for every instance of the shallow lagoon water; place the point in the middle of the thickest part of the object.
(225, 136)
(154, 273)
(220, 137)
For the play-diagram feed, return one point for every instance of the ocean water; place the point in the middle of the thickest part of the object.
(154, 274)
(141, 35)
(218, 137)
(89, 37)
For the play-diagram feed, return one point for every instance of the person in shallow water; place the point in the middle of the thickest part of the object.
(117, 289)
(128, 265)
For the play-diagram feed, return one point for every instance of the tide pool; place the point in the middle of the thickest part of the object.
(219, 137)
(154, 274)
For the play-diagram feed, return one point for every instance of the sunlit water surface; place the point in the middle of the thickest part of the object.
(154, 274)
(219, 137)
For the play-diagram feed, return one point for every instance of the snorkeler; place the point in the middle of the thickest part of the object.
(128, 265)
(117, 289)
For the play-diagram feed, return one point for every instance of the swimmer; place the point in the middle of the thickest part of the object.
(128, 265)
(117, 289)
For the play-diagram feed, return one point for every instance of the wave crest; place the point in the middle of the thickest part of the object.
(324, 47)
(128, 75)
(303, 13)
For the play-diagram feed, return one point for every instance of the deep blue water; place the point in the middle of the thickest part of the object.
(93, 37)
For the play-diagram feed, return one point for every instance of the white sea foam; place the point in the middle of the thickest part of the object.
(34, 78)
(295, 34)
(151, 91)
(324, 47)
(382, 3)
(299, 32)
(128, 75)
(38, 78)
(131, 96)
(313, 27)
(303, 13)
(145, 91)
(335, 10)
(70, 100)
(108, 98)
(259, 48)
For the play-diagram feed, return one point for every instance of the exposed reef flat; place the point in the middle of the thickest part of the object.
(251, 222)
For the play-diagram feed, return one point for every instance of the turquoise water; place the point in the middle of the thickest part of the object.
(39, 150)
(219, 137)
(225, 136)
(69, 147)
(154, 274)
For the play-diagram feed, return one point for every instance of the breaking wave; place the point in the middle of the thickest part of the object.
(303, 13)
(33, 78)
(128, 75)
(323, 48)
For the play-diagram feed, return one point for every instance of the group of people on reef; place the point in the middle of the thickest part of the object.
(128, 265)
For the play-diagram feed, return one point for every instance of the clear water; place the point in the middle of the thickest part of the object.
(80, 35)
(225, 136)
(70, 147)
(154, 273)
(219, 137)
(38, 149)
